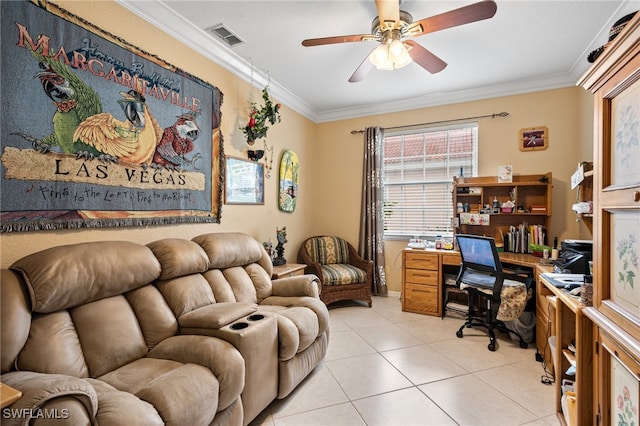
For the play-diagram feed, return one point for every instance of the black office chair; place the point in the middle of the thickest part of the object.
(495, 294)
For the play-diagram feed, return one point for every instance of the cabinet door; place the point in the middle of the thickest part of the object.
(621, 372)
(617, 212)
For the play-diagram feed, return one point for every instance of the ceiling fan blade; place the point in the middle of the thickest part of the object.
(337, 39)
(453, 18)
(425, 58)
(388, 11)
(362, 70)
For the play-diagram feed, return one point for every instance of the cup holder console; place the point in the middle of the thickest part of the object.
(255, 317)
(239, 325)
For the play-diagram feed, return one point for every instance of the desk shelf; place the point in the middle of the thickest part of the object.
(572, 327)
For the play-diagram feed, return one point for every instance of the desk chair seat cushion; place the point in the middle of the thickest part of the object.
(513, 298)
(337, 274)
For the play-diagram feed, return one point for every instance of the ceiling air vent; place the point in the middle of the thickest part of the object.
(225, 35)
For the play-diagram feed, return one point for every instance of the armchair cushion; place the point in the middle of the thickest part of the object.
(328, 250)
(338, 273)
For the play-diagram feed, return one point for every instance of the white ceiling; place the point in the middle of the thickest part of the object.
(529, 45)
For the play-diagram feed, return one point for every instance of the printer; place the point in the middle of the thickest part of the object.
(574, 257)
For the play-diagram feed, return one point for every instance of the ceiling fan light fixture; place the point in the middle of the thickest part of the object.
(390, 56)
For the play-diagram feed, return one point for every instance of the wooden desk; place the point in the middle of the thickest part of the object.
(288, 270)
(422, 276)
(8, 395)
(572, 327)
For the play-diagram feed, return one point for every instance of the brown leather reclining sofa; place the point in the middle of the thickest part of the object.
(179, 332)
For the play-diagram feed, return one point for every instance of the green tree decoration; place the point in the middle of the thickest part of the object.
(257, 126)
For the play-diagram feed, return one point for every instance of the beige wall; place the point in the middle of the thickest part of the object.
(567, 113)
(331, 157)
(294, 132)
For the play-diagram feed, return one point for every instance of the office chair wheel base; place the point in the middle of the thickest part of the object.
(459, 334)
(523, 344)
(492, 346)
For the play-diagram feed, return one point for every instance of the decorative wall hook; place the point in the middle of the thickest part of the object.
(255, 155)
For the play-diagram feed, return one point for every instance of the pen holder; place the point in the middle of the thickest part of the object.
(586, 291)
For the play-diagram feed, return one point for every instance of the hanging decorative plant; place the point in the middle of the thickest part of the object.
(257, 126)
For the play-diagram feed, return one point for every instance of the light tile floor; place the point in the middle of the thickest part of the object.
(388, 367)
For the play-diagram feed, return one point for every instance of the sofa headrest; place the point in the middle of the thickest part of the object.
(179, 257)
(228, 249)
(65, 276)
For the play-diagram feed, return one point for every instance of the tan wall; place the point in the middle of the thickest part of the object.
(331, 157)
(294, 132)
(567, 113)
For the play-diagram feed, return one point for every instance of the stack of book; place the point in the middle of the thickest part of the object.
(539, 209)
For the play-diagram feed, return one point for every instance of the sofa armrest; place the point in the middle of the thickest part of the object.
(40, 389)
(296, 286)
(216, 315)
(222, 358)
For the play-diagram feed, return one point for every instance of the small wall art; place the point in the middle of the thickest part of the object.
(505, 174)
(244, 182)
(533, 138)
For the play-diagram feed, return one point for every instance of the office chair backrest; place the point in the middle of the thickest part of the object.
(479, 253)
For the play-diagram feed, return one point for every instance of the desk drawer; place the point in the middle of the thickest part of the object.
(421, 261)
(451, 259)
(420, 298)
(421, 276)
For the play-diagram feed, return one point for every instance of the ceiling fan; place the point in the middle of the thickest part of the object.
(393, 27)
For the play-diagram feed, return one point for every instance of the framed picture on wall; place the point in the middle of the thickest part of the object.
(533, 138)
(244, 181)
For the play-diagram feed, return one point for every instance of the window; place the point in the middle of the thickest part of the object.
(419, 166)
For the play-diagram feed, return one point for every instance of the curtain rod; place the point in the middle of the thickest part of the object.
(500, 114)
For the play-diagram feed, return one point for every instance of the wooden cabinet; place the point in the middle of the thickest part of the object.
(288, 270)
(545, 307)
(614, 79)
(573, 333)
(532, 193)
(421, 282)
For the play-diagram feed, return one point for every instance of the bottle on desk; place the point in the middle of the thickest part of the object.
(439, 242)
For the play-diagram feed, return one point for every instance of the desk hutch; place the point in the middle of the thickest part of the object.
(532, 193)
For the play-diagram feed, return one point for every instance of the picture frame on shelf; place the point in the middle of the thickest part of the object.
(505, 174)
(533, 138)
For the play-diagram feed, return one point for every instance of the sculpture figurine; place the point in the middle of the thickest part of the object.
(281, 235)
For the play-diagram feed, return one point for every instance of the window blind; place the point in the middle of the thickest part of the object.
(419, 166)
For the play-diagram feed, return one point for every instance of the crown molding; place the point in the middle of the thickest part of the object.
(159, 14)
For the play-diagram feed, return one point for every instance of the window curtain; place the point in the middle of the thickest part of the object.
(371, 241)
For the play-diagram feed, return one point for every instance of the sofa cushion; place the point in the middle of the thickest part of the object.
(15, 311)
(156, 319)
(65, 276)
(119, 408)
(338, 273)
(109, 334)
(185, 294)
(53, 346)
(327, 250)
(183, 394)
(298, 328)
(179, 257)
(233, 249)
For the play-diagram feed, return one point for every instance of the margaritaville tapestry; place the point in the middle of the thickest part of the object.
(96, 133)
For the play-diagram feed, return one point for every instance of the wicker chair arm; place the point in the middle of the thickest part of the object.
(356, 260)
(312, 267)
